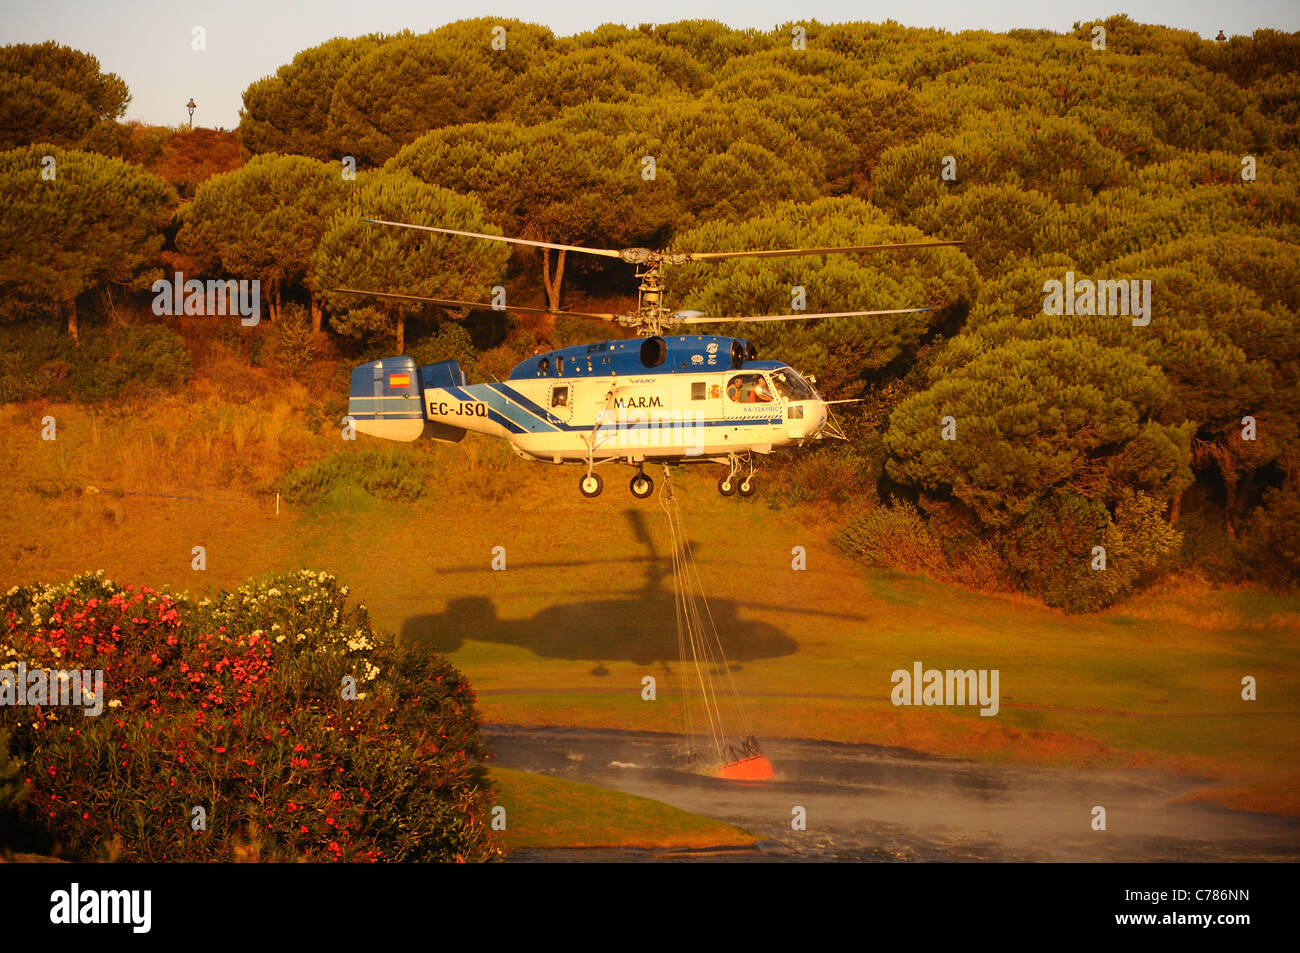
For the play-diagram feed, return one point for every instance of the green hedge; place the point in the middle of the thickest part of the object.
(37, 360)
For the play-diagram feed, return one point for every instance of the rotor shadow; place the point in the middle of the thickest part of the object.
(640, 628)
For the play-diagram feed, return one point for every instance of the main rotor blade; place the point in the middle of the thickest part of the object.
(798, 317)
(606, 252)
(843, 249)
(476, 305)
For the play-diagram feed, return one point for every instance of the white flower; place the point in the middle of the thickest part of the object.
(114, 703)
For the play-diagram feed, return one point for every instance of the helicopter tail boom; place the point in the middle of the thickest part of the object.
(387, 399)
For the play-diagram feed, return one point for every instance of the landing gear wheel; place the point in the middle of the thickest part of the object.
(591, 485)
(641, 486)
(727, 485)
(747, 486)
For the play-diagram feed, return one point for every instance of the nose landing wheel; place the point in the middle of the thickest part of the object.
(736, 481)
(590, 485)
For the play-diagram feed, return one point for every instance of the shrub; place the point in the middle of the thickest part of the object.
(839, 473)
(35, 359)
(451, 342)
(38, 360)
(393, 475)
(1273, 536)
(234, 704)
(893, 535)
(285, 343)
(130, 358)
(1051, 553)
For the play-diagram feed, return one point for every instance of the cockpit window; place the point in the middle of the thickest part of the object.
(749, 389)
(791, 386)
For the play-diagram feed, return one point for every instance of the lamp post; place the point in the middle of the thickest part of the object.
(191, 107)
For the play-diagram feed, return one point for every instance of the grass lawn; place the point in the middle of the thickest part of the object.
(550, 812)
(583, 610)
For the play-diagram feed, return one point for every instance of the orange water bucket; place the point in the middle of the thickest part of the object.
(753, 768)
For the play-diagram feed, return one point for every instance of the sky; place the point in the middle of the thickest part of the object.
(149, 42)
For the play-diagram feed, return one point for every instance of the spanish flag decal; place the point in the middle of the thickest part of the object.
(399, 380)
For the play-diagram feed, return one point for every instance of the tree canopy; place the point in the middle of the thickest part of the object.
(1156, 159)
(264, 221)
(72, 222)
(356, 254)
(53, 93)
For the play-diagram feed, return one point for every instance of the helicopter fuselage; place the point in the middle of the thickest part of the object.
(675, 398)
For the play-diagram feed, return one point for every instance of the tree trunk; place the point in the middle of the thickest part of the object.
(70, 307)
(315, 315)
(1176, 507)
(552, 284)
(1245, 487)
(401, 333)
(109, 305)
(1230, 502)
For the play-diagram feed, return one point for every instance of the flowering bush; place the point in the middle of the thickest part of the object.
(277, 710)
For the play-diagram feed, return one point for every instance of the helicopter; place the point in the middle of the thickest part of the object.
(667, 398)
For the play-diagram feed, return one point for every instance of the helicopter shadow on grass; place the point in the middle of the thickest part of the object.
(641, 628)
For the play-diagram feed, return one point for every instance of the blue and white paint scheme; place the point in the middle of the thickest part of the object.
(665, 397)
(687, 398)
